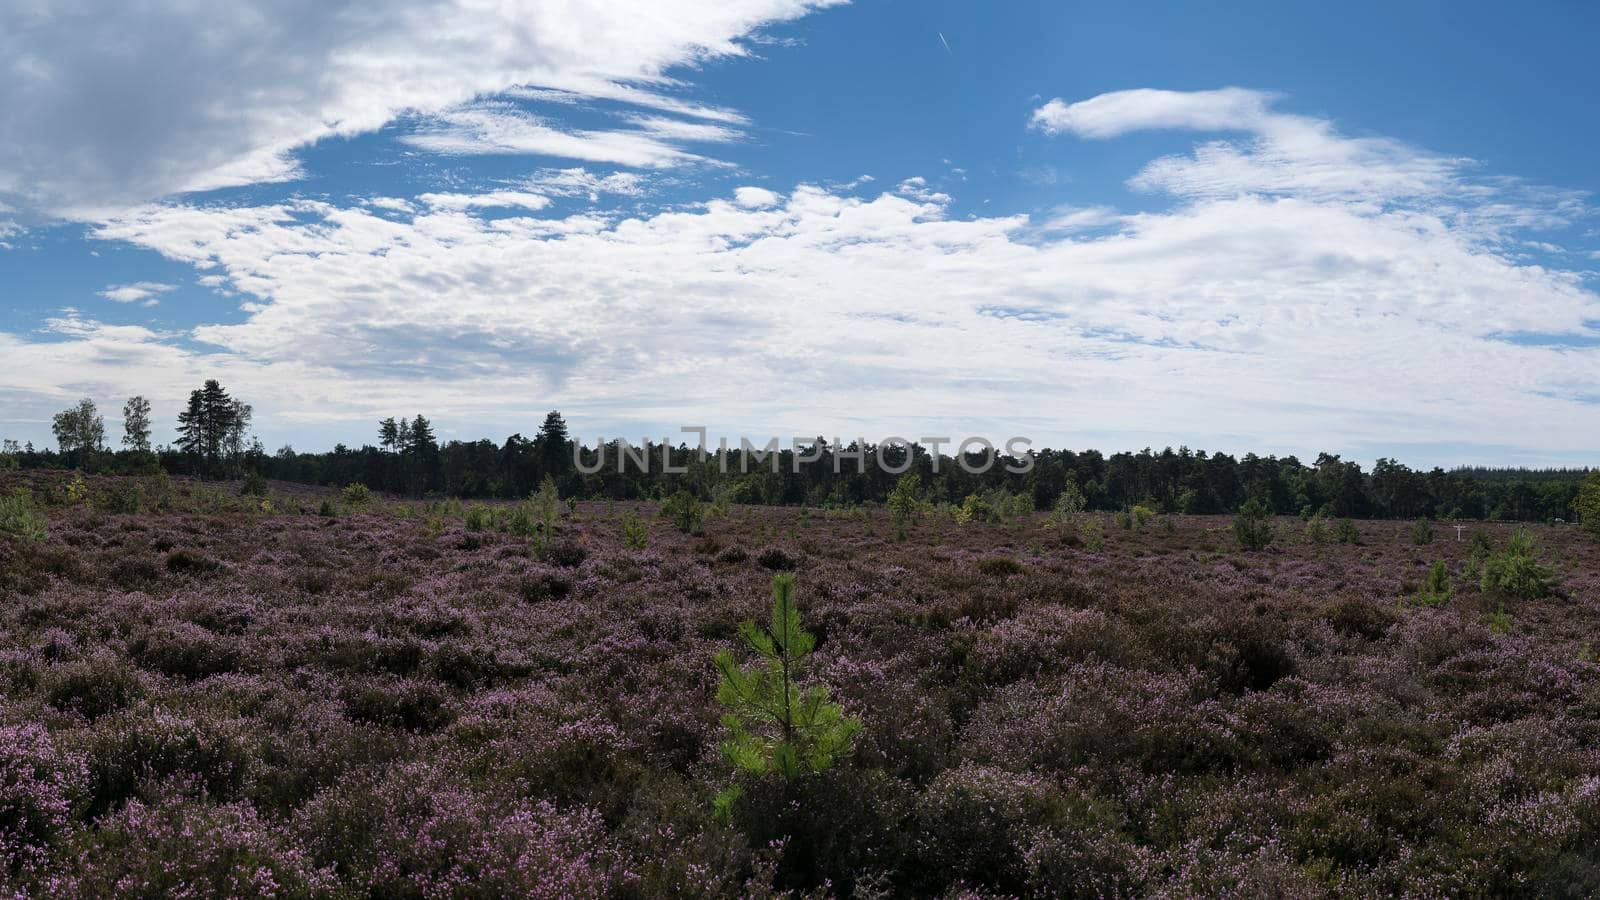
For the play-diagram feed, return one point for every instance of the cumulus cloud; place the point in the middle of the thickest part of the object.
(139, 290)
(1339, 324)
(1283, 154)
(124, 104)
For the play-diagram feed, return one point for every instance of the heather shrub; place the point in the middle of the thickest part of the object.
(733, 555)
(975, 823)
(396, 702)
(93, 687)
(194, 850)
(19, 519)
(541, 586)
(1516, 571)
(999, 566)
(186, 650)
(776, 560)
(776, 726)
(356, 494)
(566, 554)
(1252, 527)
(141, 747)
(187, 562)
(133, 572)
(685, 511)
(1359, 616)
(417, 835)
(40, 784)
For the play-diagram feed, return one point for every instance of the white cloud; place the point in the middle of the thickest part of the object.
(139, 290)
(1266, 322)
(104, 105)
(489, 200)
(755, 198)
(581, 182)
(502, 128)
(1119, 112)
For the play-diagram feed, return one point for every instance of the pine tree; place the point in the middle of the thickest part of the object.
(389, 434)
(212, 426)
(553, 445)
(136, 424)
(1588, 504)
(776, 726)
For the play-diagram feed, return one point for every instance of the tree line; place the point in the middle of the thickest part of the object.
(409, 459)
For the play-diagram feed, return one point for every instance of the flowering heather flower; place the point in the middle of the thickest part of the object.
(371, 705)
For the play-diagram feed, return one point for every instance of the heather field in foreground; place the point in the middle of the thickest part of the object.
(206, 697)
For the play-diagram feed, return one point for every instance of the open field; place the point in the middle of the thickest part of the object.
(204, 695)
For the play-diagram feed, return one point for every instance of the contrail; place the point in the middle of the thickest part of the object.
(945, 43)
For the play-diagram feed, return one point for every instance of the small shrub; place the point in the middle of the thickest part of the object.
(1422, 532)
(905, 503)
(1252, 527)
(356, 494)
(1587, 506)
(1516, 571)
(478, 517)
(1347, 533)
(1069, 504)
(93, 687)
(327, 510)
(20, 519)
(685, 511)
(1142, 515)
(254, 486)
(999, 566)
(776, 560)
(1124, 520)
(566, 554)
(1317, 530)
(1436, 591)
(775, 726)
(1094, 535)
(635, 534)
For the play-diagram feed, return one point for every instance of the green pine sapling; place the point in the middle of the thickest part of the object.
(776, 726)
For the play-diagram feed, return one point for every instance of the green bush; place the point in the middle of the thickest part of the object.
(356, 494)
(478, 517)
(1516, 571)
(1094, 535)
(254, 486)
(1252, 527)
(905, 503)
(1587, 505)
(1317, 530)
(1436, 591)
(635, 534)
(776, 726)
(19, 519)
(1347, 533)
(685, 511)
(1421, 532)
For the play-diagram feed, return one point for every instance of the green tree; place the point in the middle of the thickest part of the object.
(1588, 504)
(777, 724)
(553, 446)
(905, 502)
(136, 424)
(1516, 570)
(1252, 526)
(79, 428)
(213, 425)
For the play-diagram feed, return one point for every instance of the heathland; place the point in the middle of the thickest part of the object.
(306, 692)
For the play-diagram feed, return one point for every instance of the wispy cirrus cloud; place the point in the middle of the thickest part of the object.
(122, 105)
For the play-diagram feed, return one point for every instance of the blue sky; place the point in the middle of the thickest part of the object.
(1367, 229)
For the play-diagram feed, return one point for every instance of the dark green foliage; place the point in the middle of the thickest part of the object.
(1436, 591)
(685, 511)
(999, 566)
(1347, 533)
(19, 518)
(254, 485)
(1516, 570)
(1422, 532)
(356, 494)
(776, 560)
(635, 534)
(777, 724)
(1252, 527)
(1587, 506)
(567, 554)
